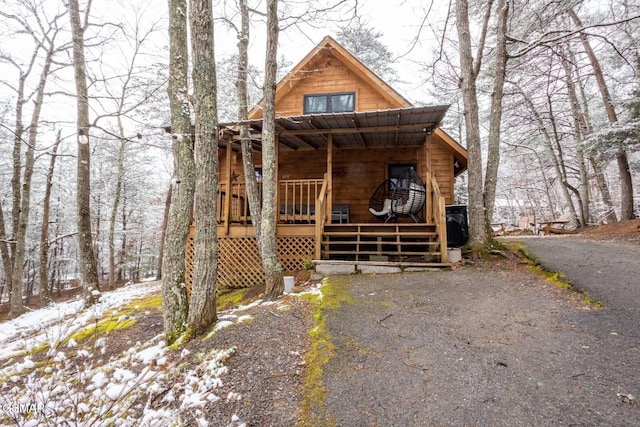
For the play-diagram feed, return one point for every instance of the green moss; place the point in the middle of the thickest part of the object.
(557, 279)
(313, 410)
(230, 298)
(121, 319)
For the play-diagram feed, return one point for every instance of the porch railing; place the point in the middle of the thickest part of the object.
(233, 204)
(322, 217)
(296, 202)
(439, 217)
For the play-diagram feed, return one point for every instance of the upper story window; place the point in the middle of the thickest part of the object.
(330, 103)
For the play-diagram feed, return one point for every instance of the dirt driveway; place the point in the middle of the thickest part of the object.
(483, 346)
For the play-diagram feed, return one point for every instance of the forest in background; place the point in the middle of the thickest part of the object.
(559, 145)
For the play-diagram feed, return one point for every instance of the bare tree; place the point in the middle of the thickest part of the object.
(43, 276)
(253, 190)
(174, 292)
(88, 265)
(626, 181)
(202, 304)
(270, 263)
(14, 257)
(469, 69)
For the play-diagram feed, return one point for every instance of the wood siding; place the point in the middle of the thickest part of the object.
(329, 75)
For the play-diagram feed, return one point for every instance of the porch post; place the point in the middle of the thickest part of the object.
(428, 212)
(276, 211)
(229, 195)
(329, 176)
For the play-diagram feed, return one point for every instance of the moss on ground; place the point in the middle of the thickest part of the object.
(555, 278)
(122, 319)
(313, 410)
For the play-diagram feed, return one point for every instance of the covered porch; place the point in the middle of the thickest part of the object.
(328, 167)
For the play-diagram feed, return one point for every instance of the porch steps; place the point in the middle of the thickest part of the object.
(395, 242)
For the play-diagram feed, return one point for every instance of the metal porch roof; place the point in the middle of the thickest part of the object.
(373, 129)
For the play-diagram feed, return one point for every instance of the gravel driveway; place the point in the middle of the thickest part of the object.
(489, 346)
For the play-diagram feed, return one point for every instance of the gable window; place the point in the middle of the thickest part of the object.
(330, 103)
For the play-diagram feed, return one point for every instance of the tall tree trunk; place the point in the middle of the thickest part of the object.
(587, 129)
(114, 208)
(20, 232)
(478, 236)
(253, 190)
(174, 292)
(626, 181)
(583, 189)
(610, 214)
(272, 269)
(495, 118)
(43, 276)
(163, 233)
(202, 304)
(88, 265)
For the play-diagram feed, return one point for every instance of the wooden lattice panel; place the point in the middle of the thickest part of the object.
(292, 252)
(239, 264)
(189, 255)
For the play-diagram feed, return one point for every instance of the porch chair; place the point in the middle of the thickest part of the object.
(340, 214)
(404, 196)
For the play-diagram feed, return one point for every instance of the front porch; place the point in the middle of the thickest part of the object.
(309, 230)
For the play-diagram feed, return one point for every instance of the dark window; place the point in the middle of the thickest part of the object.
(395, 170)
(330, 103)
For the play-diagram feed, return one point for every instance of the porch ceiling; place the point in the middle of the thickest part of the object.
(373, 129)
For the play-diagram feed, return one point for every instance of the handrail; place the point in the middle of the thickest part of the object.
(321, 215)
(297, 200)
(440, 219)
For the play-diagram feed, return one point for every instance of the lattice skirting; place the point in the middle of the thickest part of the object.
(239, 264)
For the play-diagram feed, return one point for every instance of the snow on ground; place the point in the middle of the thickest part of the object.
(58, 321)
(143, 387)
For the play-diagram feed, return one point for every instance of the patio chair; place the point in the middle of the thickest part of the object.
(404, 196)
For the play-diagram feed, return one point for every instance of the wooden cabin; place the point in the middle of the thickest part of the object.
(341, 133)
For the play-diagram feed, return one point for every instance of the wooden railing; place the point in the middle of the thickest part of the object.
(439, 216)
(321, 216)
(297, 200)
(233, 205)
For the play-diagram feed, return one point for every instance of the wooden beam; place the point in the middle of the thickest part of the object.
(329, 176)
(429, 212)
(229, 195)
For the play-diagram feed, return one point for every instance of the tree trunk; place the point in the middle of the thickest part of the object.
(253, 190)
(272, 269)
(114, 208)
(202, 304)
(583, 189)
(478, 237)
(163, 234)
(626, 181)
(88, 265)
(174, 293)
(495, 118)
(43, 276)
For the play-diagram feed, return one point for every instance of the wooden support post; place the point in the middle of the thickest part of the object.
(429, 209)
(329, 175)
(276, 211)
(229, 195)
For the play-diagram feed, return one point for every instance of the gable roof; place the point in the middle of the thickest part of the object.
(400, 107)
(329, 45)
